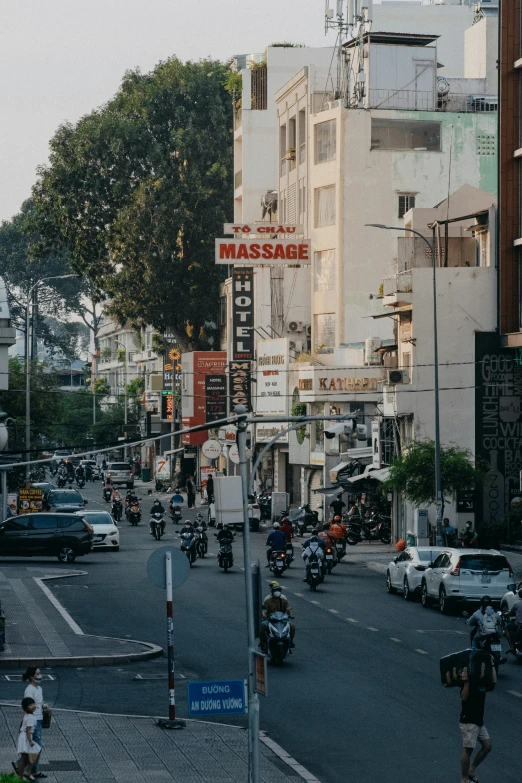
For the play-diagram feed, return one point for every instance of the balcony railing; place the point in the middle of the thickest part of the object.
(283, 167)
(302, 152)
(259, 88)
(400, 283)
(430, 100)
(238, 179)
(291, 164)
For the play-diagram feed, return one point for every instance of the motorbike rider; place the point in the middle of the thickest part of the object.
(477, 618)
(70, 470)
(468, 536)
(514, 626)
(225, 535)
(338, 528)
(88, 472)
(276, 542)
(313, 546)
(80, 473)
(325, 536)
(286, 528)
(275, 602)
(338, 505)
(157, 508)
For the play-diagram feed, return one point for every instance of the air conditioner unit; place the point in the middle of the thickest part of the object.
(296, 326)
(393, 377)
(296, 345)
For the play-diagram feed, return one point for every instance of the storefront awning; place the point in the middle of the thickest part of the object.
(334, 472)
(380, 475)
(329, 491)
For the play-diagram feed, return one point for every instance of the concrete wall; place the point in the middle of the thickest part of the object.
(481, 48)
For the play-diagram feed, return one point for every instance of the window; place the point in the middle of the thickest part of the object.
(405, 135)
(325, 206)
(439, 561)
(484, 563)
(324, 332)
(17, 523)
(324, 270)
(45, 522)
(406, 202)
(325, 133)
(64, 521)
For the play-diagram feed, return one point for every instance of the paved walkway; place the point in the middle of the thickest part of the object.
(97, 748)
(39, 632)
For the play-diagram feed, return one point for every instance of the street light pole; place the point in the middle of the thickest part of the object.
(438, 476)
(119, 342)
(28, 364)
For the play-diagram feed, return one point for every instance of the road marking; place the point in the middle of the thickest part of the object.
(299, 594)
(369, 628)
(316, 603)
(352, 620)
(333, 611)
(296, 768)
(516, 693)
(57, 605)
(422, 652)
(394, 639)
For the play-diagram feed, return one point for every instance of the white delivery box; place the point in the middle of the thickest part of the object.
(228, 499)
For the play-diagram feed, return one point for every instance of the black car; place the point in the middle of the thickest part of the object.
(65, 536)
(65, 501)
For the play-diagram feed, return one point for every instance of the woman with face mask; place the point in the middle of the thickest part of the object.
(34, 691)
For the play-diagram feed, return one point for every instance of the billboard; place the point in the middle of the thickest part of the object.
(197, 365)
(272, 377)
(215, 397)
(262, 251)
(239, 384)
(243, 313)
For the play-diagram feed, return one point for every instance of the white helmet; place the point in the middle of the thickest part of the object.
(276, 525)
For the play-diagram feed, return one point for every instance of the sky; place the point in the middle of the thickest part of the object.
(59, 59)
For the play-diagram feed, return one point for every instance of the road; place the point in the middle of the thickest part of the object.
(360, 698)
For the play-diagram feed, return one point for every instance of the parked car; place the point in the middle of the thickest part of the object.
(65, 536)
(106, 533)
(45, 486)
(405, 571)
(462, 576)
(65, 501)
(510, 598)
(120, 473)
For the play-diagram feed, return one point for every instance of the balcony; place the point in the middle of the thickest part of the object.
(302, 153)
(238, 179)
(283, 167)
(429, 100)
(413, 253)
(397, 289)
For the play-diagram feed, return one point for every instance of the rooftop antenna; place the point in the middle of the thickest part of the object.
(338, 19)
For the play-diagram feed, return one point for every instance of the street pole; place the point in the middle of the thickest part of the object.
(119, 342)
(438, 475)
(170, 638)
(4, 494)
(253, 698)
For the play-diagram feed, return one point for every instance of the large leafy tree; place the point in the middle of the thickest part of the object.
(136, 192)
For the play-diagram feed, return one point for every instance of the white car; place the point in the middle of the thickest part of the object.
(405, 571)
(461, 576)
(510, 598)
(106, 533)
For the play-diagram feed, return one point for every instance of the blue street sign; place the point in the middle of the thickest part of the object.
(223, 697)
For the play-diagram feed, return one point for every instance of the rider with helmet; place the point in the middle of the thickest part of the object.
(274, 602)
(225, 535)
(313, 547)
(157, 508)
(276, 542)
(286, 528)
(476, 620)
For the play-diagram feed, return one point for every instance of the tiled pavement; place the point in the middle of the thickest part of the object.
(40, 632)
(98, 748)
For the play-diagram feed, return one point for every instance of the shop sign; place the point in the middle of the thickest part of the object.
(211, 449)
(272, 377)
(317, 458)
(376, 444)
(227, 434)
(348, 384)
(30, 499)
(167, 405)
(239, 384)
(260, 252)
(265, 432)
(162, 467)
(215, 397)
(261, 228)
(243, 313)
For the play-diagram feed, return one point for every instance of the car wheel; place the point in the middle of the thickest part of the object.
(408, 595)
(444, 604)
(66, 554)
(389, 587)
(425, 599)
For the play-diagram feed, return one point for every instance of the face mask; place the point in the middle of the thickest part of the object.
(277, 594)
(38, 677)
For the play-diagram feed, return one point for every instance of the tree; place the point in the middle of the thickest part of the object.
(136, 192)
(413, 472)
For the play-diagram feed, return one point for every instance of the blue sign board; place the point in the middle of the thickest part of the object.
(222, 697)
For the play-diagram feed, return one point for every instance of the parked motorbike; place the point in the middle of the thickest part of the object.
(305, 518)
(314, 574)
(188, 546)
(134, 513)
(278, 637)
(117, 509)
(158, 524)
(278, 563)
(201, 542)
(289, 554)
(376, 529)
(225, 555)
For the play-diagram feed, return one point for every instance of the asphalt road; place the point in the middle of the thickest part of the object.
(360, 699)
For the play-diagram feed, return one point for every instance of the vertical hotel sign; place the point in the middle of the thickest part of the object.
(243, 313)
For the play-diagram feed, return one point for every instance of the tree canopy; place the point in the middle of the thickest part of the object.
(413, 472)
(136, 191)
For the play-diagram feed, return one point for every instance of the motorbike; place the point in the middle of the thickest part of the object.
(278, 563)
(225, 555)
(305, 518)
(330, 559)
(80, 482)
(376, 529)
(289, 554)
(158, 524)
(117, 509)
(134, 513)
(107, 494)
(188, 546)
(265, 503)
(490, 643)
(62, 481)
(278, 637)
(175, 513)
(314, 573)
(201, 543)
(53, 469)
(340, 549)
(517, 641)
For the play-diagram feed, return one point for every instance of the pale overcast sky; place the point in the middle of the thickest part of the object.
(59, 59)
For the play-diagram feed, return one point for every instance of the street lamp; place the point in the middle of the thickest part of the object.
(27, 364)
(119, 342)
(438, 477)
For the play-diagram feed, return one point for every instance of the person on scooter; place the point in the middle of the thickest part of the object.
(286, 528)
(468, 536)
(314, 546)
(326, 537)
(514, 626)
(275, 602)
(477, 618)
(338, 505)
(338, 528)
(80, 473)
(276, 542)
(225, 535)
(157, 508)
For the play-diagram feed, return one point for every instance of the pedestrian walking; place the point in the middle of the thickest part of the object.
(472, 726)
(191, 492)
(27, 747)
(210, 489)
(34, 691)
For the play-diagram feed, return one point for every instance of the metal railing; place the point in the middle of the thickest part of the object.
(430, 100)
(258, 94)
(302, 152)
(291, 164)
(238, 179)
(283, 167)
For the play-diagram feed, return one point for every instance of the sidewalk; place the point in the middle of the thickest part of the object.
(40, 632)
(85, 747)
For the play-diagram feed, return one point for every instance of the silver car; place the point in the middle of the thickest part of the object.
(405, 571)
(120, 473)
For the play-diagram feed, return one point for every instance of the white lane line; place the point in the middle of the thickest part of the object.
(316, 603)
(394, 639)
(299, 594)
(352, 620)
(422, 652)
(333, 611)
(57, 605)
(516, 693)
(369, 628)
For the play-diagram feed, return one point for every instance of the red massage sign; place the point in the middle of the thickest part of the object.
(262, 251)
